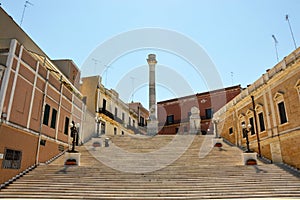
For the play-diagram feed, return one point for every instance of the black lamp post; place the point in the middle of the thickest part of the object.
(246, 130)
(74, 135)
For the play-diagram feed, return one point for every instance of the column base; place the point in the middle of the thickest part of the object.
(72, 158)
(97, 143)
(249, 158)
(152, 127)
(217, 142)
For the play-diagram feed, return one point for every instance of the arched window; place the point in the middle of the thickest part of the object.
(279, 100)
(251, 120)
(260, 117)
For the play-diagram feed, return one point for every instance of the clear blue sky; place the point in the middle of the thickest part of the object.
(235, 34)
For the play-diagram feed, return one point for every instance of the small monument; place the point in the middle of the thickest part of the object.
(72, 157)
(195, 121)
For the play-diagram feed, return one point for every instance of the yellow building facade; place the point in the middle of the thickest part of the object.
(271, 105)
(112, 115)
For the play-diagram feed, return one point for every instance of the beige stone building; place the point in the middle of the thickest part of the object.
(271, 105)
(143, 116)
(112, 115)
(39, 98)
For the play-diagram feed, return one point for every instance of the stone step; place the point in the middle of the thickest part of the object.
(145, 195)
(218, 175)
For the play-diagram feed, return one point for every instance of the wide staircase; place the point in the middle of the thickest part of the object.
(160, 167)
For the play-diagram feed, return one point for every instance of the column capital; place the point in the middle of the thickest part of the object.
(151, 59)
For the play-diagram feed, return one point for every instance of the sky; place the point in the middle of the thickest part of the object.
(201, 45)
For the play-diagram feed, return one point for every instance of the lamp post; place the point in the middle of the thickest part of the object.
(246, 130)
(74, 134)
(98, 121)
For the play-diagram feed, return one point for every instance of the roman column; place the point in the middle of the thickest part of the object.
(152, 93)
(152, 127)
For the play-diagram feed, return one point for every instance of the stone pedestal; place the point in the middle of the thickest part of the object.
(152, 127)
(249, 158)
(97, 143)
(72, 158)
(276, 152)
(217, 142)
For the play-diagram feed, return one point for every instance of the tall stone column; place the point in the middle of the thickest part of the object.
(152, 123)
(152, 93)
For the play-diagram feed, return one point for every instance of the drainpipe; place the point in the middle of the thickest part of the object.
(42, 116)
(256, 127)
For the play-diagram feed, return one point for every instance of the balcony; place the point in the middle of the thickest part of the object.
(133, 128)
(107, 113)
(117, 119)
(142, 124)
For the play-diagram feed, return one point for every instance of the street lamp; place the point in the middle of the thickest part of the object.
(246, 130)
(98, 121)
(74, 134)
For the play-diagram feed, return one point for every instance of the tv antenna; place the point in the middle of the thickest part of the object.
(276, 43)
(107, 67)
(96, 62)
(292, 34)
(25, 6)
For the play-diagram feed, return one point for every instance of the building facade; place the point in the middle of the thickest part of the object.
(271, 105)
(193, 114)
(142, 115)
(112, 115)
(38, 102)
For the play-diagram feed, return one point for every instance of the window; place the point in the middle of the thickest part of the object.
(46, 115)
(133, 123)
(104, 105)
(251, 121)
(115, 131)
(53, 118)
(243, 123)
(230, 130)
(12, 159)
(116, 112)
(170, 119)
(142, 121)
(67, 122)
(123, 117)
(129, 121)
(279, 99)
(208, 113)
(261, 122)
(282, 113)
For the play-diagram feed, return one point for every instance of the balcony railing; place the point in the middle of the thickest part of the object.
(133, 128)
(142, 124)
(107, 113)
(120, 121)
